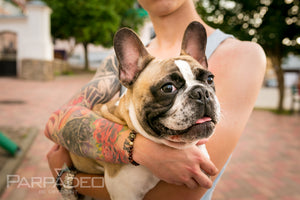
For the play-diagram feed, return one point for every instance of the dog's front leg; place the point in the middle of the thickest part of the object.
(130, 183)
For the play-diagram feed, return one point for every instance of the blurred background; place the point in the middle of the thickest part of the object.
(49, 49)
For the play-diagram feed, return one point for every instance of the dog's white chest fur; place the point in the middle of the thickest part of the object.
(131, 183)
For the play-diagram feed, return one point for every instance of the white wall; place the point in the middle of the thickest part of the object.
(33, 32)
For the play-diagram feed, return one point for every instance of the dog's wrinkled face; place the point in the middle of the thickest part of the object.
(173, 100)
(179, 104)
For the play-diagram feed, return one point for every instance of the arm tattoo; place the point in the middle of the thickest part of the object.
(94, 132)
(102, 88)
(106, 135)
(82, 131)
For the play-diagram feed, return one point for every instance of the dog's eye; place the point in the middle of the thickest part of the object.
(210, 79)
(168, 88)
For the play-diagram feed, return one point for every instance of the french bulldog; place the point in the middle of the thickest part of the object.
(169, 101)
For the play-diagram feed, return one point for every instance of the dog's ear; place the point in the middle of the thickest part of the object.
(131, 54)
(194, 42)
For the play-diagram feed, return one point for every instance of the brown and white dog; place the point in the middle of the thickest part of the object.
(170, 101)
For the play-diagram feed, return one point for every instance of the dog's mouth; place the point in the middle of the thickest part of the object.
(201, 129)
(203, 120)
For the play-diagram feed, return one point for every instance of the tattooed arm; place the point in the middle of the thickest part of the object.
(76, 127)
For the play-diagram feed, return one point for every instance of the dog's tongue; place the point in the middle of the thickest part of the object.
(203, 119)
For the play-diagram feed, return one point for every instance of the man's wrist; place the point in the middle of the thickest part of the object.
(60, 176)
(65, 181)
(128, 146)
(141, 145)
(68, 190)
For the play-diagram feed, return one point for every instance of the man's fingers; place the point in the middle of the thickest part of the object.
(192, 184)
(203, 180)
(55, 147)
(208, 167)
(175, 183)
(63, 149)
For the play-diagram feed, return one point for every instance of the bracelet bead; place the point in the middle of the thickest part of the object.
(131, 138)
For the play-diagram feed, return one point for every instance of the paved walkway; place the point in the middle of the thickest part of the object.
(34, 103)
(265, 164)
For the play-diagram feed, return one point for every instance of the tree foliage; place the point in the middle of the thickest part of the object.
(274, 24)
(92, 21)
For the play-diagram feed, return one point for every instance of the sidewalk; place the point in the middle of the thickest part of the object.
(39, 100)
(265, 164)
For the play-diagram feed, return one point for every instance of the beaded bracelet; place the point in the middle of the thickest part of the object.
(131, 137)
(58, 178)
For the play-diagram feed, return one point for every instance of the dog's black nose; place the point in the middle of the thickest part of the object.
(199, 94)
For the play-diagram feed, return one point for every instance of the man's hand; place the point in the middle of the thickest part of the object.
(175, 166)
(57, 157)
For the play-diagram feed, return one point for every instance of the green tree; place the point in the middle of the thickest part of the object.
(274, 24)
(92, 21)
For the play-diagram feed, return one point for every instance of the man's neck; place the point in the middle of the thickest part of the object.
(169, 30)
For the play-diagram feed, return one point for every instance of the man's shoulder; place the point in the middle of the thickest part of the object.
(236, 53)
(237, 48)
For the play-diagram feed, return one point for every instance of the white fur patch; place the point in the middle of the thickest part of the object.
(117, 102)
(186, 71)
(138, 127)
(131, 183)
